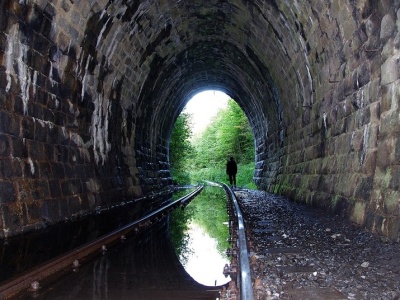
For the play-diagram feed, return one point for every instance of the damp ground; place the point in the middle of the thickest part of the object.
(301, 252)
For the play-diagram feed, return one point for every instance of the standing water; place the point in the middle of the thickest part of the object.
(199, 234)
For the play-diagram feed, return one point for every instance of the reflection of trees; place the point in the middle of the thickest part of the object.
(208, 210)
(210, 213)
(179, 225)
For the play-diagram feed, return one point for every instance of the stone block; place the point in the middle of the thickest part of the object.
(375, 112)
(9, 123)
(7, 168)
(357, 140)
(382, 180)
(363, 188)
(390, 70)
(69, 171)
(58, 170)
(385, 148)
(394, 228)
(40, 189)
(28, 128)
(71, 187)
(388, 26)
(326, 184)
(30, 169)
(13, 217)
(359, 213)
(50, 210)
(55, 188)
(394, 183)
(363, 75)
(392, 203)
(74, 204)
(386, 103)
(79, 171)
(36, 150)
(34, 212)
(6, 101)
(40, 132)
(396, 152)
(5, 148)
(7, 191)
(390, 123)
(369, 163)
(84, 203)
(63, 207)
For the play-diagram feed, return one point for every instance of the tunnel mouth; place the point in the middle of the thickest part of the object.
(90, 91)
(204, 106)
(211, 129)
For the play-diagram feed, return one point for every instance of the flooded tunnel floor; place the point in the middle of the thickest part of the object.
(299, 252)
(140, 268)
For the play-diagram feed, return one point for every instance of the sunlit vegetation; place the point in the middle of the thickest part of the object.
(179, 225)
(229, 134)
(181, 149)
(209, 212)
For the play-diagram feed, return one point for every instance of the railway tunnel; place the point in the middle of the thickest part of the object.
(90, 91)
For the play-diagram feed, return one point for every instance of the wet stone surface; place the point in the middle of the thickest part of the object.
(299, 252)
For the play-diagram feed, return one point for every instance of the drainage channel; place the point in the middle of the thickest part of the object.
(34, 278)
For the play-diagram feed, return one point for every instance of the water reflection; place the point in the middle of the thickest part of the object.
(199, 234)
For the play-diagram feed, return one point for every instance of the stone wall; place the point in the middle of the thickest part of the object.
(341, 150)
(62, 152)
(90, 90)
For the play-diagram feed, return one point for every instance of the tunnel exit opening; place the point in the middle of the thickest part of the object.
(210, 129)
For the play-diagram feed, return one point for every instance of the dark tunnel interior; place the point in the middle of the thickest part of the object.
(90, 90)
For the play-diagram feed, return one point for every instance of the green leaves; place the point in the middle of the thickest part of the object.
(181, 149)
(229, 134)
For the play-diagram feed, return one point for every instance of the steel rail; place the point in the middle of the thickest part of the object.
(64, 263)
(246, 286)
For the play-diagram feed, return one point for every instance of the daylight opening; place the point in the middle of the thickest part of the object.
(211, 128)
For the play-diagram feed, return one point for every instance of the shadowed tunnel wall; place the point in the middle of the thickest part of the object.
(90, 90)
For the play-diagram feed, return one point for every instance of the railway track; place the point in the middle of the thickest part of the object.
(32, 281)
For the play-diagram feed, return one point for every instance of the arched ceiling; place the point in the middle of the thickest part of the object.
(252, 50)
(100, 83)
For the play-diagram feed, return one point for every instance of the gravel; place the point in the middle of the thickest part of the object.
(301, 252)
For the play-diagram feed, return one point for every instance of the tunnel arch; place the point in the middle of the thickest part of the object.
(89, 92)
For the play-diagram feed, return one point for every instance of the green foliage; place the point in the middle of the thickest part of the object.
(245, 176)
(229, 134)
(208, 210)
(179, 224)
(181, 149)
(210, 214)
(217, 174)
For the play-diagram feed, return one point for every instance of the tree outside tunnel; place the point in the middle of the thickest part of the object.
(204, 156)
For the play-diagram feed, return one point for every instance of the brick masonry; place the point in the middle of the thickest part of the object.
(89, 92)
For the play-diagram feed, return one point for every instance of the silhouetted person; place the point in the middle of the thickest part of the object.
(231, 170)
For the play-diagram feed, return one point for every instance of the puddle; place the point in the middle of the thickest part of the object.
(199, 234)
(204, 263)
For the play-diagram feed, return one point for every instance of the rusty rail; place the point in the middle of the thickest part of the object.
(65, 262)
(245, 281)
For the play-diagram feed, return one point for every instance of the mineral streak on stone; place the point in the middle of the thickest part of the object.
(90, 90)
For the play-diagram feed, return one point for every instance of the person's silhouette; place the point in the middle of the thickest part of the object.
(231, 170)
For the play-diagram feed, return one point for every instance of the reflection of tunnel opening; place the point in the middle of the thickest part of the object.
(90, 92)
(200, 235)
